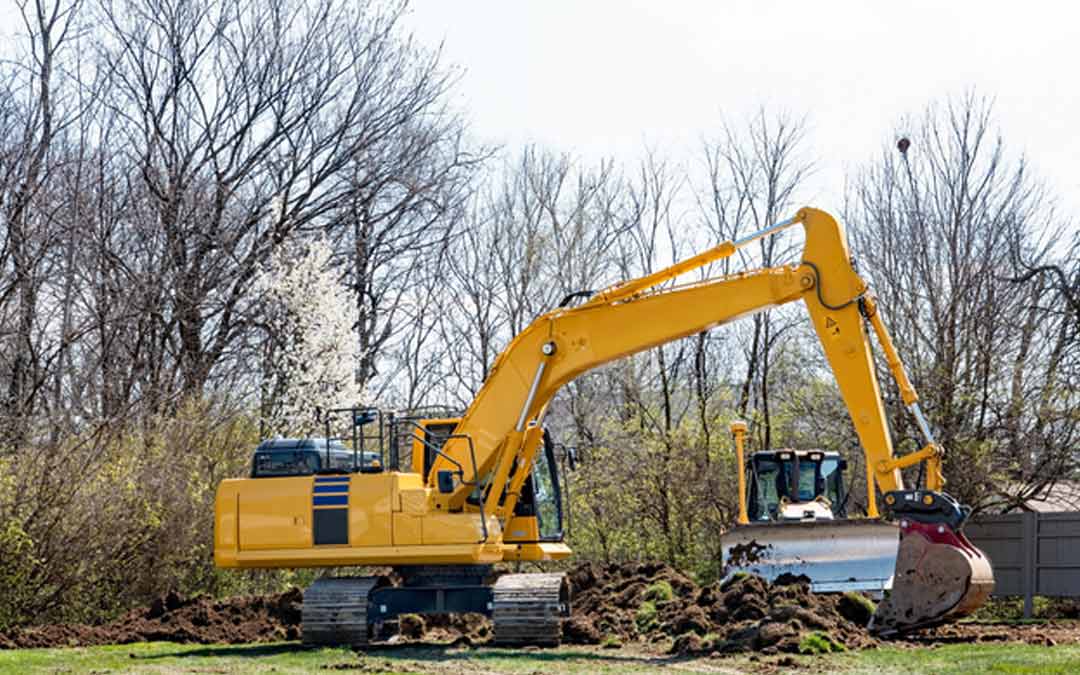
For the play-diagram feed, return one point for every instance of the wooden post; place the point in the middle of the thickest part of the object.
(1029, 547)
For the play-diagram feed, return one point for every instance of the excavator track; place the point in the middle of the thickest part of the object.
(940, 577)
(335, 611)
(528, 608)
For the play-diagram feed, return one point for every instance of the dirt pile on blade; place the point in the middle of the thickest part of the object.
(177, 619)
(656, 604)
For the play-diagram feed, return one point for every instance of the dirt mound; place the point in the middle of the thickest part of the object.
(655, 603)
(177, 619)
(645, 602)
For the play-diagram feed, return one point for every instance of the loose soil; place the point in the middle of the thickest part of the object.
(174, 618)
(648, 605)
(1047, 634)
(631, 603)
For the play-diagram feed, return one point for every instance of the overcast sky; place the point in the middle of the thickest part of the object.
(603, 77)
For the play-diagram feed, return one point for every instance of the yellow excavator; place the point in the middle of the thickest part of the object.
(442, 499)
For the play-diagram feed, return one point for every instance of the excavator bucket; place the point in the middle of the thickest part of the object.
(836, 555)
(940, 577)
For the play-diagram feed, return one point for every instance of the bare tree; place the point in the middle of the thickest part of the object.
(228, 108)
(755, 174)
(31, 118)
(940, 226)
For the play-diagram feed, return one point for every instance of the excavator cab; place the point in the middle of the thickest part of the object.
(538, 514)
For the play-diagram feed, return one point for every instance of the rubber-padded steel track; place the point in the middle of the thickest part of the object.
(335, 611)
(528, 608)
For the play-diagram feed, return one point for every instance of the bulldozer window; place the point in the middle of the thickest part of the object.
(808, 482)
(833, 479)
(766, 495)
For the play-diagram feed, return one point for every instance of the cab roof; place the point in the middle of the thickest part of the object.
(299, 444)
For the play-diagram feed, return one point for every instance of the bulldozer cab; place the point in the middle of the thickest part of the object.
(783, 479)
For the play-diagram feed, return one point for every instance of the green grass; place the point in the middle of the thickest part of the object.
(819, 643)
(861, 599)
(164, 657)
(1007, 658)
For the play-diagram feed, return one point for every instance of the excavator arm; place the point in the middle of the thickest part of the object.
(565, 343)
(939, 575)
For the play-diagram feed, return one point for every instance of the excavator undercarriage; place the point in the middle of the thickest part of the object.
(523, 608)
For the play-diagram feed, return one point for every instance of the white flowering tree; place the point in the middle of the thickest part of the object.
(312, 354)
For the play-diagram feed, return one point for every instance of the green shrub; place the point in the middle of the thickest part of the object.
(17, 563)
(661, 591)
(122, 514)
(645, 619)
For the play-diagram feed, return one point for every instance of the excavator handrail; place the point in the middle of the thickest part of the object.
(461, 469)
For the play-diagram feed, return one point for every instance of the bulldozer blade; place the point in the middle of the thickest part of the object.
(940, 577)
(836, 555)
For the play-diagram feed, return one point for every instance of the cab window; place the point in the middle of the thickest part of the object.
(768, 474)
(807, 481)
(830, 472)
(284, 463)
(341, 461)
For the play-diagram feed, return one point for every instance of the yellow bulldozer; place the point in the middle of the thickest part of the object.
(442, 499)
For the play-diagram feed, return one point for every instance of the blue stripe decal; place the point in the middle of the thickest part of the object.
(331, 479)
(331, 500)
(332, 488)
